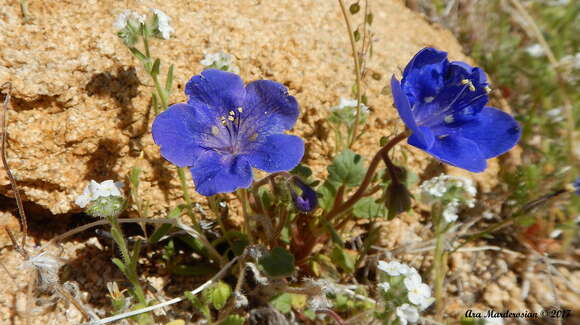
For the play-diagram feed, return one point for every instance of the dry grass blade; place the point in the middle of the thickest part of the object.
(8, 88)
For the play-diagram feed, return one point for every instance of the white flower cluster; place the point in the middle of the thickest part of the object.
(96, 190)
(418, 294)
(350, 103)
(128, 17)
(158, 23)
(220, 60)
(163, 23)
(437, 188)
(570, 64)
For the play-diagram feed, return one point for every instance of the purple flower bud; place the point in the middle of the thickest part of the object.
(306, 201)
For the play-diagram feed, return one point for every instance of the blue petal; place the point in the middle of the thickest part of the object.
(457, 151)
(275, 153)
(213, 173)
(424, 76)
(308, 200)
(220, 90)
(475, 74)
(422, 139)
(268, 108)
(494, 132)
(422, 136)
(178, 132)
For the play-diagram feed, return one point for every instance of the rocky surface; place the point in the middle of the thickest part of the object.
(80, 100)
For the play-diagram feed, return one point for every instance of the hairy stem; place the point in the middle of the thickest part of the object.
(356, 70)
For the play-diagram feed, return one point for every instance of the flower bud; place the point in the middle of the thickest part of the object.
(306, 200)
(106, 207)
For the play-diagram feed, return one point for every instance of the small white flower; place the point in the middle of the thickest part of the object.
(346, 102)
(163, 23)
(128, 16)
(385, 286)
(418, 292)
(535, 50)
(407, 314)
(487, 215)
(556, 233)
(393, 268)
(96, 190)
(220, 60)
(450, 211)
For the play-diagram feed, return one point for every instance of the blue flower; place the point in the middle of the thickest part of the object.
(576, 186)
(226, 128)
(307, 200)
(443, 104)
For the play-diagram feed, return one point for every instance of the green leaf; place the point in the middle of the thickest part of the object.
(369, 19)
(343, 258)
(169, 80)
(282, 302)
(155, 68)
(333, 234)
(164, 229)
(136, 53)
(233, 320)
(354, 8)
(278, 263)
(219, 294)
(120, 265)
(347, 168)
(199, 303)
(302, 170)
(368, 208)
(326, 192)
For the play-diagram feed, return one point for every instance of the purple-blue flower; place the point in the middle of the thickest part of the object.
(226, 128)
(443, 104)
(306, 200)
(576, 186)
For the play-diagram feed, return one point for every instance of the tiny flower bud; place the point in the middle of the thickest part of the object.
(106, 207)
(307, 200)
(102, 199)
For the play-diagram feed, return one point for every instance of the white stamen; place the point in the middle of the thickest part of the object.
(449, 119)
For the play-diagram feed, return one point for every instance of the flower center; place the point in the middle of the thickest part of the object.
(450, 108)
(230, 134)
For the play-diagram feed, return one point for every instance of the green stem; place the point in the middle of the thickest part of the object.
(130, 265)
(439, 259)
(187, 198)
(356, 71)
(243, 197)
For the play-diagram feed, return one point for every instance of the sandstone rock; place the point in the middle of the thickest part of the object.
(80, 101)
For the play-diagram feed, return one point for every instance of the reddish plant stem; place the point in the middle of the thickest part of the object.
(368, 178)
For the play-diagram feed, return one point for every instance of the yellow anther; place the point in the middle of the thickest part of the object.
(254, 137)
(215, 130)
(471, 87)
(465, 82)
(232, 113)
(231, 118)
(487, 89)
(240, 109)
